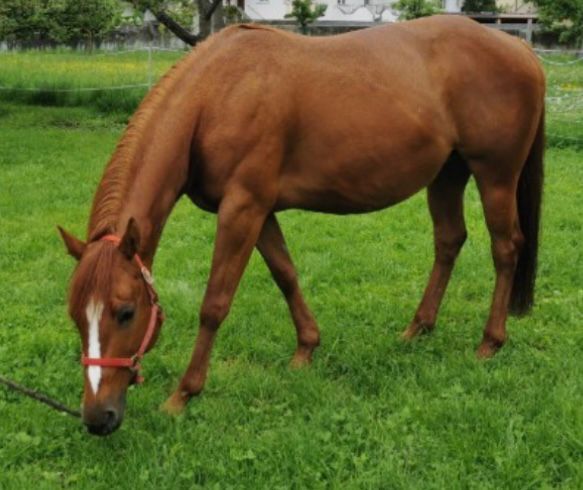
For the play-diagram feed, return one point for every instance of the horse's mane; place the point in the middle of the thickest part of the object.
(123, 163)
(125, 160)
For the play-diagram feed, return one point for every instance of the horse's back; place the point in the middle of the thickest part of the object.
(362, 120)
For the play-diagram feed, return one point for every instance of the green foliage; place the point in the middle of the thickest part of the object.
(58, 21)
(232, 14)
(182, 11)
(414, 9)
(88, 21)
(29, 20)
(564, 17)
(306, 12)
(476, 6)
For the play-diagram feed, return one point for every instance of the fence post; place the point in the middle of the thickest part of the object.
(529, 28)
(150, 74)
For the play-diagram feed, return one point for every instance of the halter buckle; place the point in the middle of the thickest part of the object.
(135, 367)
(147, 276)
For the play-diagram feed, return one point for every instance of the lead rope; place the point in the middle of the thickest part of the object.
(40, 397)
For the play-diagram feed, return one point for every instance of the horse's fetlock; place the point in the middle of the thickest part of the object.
(423, 323)
(191, 387)
(497, 339)
(309, 338)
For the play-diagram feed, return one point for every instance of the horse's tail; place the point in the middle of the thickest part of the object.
(529, 198)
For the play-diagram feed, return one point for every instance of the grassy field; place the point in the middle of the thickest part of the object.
(72, 78)
(372, 412)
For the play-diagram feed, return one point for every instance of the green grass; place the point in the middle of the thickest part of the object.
(565, 105)
(371, 412)
(57, 75)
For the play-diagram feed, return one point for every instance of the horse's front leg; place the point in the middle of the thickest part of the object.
(240, 219)
(272, 247)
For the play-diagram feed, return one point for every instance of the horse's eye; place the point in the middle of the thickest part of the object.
(125, 314)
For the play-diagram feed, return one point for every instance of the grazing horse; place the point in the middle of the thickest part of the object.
(255, 121)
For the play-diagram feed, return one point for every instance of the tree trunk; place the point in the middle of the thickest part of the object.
(210, 19)
(218, 18)
(204, 22)
(174, 27)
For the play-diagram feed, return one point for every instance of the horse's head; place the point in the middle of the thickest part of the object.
(114, 306)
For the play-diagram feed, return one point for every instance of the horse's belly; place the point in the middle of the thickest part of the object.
(359, 185)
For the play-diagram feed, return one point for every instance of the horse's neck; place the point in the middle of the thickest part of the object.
(148, 169)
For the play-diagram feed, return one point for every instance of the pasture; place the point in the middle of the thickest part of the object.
(371, 412)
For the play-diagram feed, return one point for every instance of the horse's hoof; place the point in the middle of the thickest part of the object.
(174, 405)
(414, 330)
(302, 358)
(487, 349)
(409, 334)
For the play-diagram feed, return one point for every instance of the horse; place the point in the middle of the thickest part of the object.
(255, 121)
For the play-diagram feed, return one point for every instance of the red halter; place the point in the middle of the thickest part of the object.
(156, 315)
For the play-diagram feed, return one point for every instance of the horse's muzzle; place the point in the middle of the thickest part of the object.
(102, 420)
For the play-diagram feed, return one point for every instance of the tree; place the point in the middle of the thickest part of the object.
(57, 21)
(565, 17)
(413, 9)
(305, 12)
(23, 21)
(210, 17)
(87, 21)
(476, 6)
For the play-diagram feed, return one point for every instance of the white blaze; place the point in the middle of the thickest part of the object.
(93, 312)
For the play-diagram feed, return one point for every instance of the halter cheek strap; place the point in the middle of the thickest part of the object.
(133, 363)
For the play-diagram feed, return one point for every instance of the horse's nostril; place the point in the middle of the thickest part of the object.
(110, 416)
(103, 422)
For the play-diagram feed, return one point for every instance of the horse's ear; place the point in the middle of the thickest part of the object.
(75, 247)
(130, 243)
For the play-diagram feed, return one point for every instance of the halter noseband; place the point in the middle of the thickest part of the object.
(133, 363)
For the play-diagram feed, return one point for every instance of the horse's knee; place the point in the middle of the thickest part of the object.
(214, 311)
(505, 253)
(448, 245)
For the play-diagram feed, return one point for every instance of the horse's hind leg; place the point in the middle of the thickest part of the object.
(272, 247)
(497, 185)
(445, 196)
(240, 220)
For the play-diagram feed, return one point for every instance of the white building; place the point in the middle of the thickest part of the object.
(338, 10)
(358, 10)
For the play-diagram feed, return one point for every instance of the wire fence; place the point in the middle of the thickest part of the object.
(78, 89)
(543, 55)
(564, 96)
(149, 73)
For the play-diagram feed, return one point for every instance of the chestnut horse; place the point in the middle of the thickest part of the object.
(255, 121)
